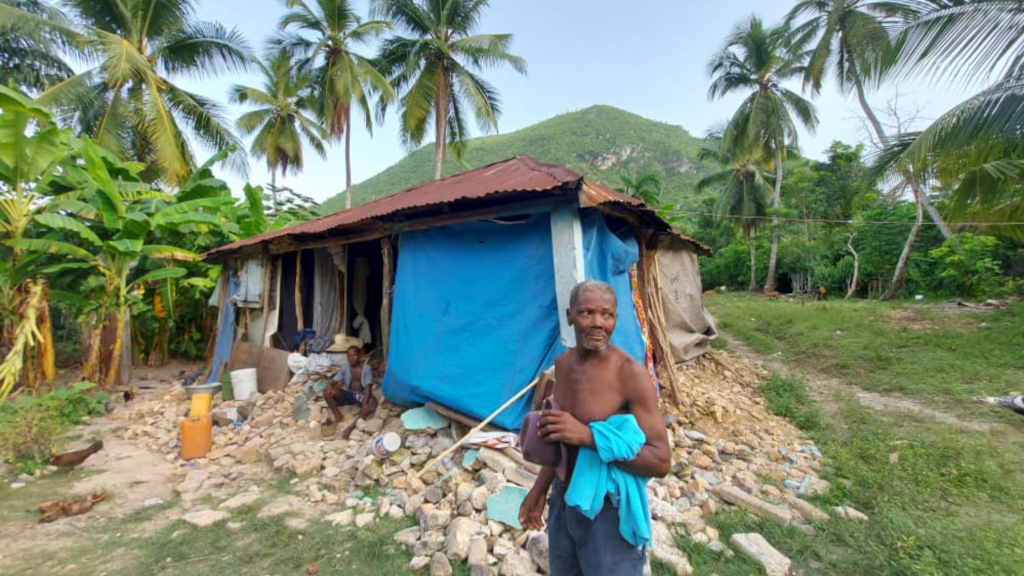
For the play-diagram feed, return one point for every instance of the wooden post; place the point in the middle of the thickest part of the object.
(299, 322)
(387, 286)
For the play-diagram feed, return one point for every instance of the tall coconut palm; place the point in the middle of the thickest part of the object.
(436, 69)
(30, 54)
(325, 39)
(280, 119)
(853, 42)
(975, 148)
(757, 59)
(127, 100)
(744, 192)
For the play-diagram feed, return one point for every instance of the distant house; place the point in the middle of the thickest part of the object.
(460, 285)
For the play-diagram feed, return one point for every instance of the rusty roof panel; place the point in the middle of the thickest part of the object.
(519, 174)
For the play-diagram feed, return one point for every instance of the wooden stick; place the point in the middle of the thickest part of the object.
(469, 422)
(430, 465)
(459, 417)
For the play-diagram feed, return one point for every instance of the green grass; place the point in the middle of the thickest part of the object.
(937, 353)
(953, 502)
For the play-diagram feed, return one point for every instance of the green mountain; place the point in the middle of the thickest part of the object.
(597, 142)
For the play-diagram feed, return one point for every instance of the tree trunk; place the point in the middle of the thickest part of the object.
(440, 126)
(91, 363)
(883, 140)
(273, 190)
(47, 354)
(769, 283)
(856, 268)
(753, 267)
(348, 162)
(901, 266)
(110, 378)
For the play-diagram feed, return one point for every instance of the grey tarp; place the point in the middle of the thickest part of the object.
(326, 302)
(689, 326)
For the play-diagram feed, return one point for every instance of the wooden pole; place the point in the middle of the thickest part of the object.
(387, 284)
(430, 465)
(299, 322)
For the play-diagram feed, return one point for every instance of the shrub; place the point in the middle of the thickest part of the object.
(30, 435)
(967, 265)
(30, 426)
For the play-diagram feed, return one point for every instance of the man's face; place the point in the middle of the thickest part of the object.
(353, 357)
(594, 319)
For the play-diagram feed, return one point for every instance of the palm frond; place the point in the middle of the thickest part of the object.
(203, 50)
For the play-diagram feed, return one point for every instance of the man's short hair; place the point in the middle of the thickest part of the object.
(356, 348)
(587, 285)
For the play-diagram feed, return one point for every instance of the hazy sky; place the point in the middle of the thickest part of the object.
(645, 56)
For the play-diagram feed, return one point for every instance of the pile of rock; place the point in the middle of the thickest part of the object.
(728, 450)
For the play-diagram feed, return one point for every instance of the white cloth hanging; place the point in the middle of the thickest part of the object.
(360, 274)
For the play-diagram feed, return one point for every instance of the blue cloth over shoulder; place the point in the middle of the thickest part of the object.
(619, 438)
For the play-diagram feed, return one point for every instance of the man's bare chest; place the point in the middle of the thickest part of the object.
(589, 397)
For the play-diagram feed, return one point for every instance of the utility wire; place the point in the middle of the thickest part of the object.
(858, 222)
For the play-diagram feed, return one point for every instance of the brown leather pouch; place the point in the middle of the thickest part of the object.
(536, 449)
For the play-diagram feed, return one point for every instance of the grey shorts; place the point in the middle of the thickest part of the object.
(578, 546)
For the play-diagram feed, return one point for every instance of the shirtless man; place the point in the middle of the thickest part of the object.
(593, 381)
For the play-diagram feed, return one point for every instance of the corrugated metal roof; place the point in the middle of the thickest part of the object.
(519, 174)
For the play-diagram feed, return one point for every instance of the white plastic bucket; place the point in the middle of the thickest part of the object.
(385, 444)
(243, 383)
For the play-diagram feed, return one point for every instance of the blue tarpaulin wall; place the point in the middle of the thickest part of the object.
(474, 316)
(225, 327)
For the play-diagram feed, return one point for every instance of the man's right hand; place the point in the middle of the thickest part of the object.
(531, 511)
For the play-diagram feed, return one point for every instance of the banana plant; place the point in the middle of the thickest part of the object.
(111, 236)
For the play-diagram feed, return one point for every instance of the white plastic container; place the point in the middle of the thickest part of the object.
(243, 383)
(385, 444)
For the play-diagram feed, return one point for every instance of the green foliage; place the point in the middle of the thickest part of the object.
(31, 425)
(968, 263)
(941, 354)
(29, 433)
(951, 503)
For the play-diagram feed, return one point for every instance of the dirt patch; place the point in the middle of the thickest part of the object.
(824, 390)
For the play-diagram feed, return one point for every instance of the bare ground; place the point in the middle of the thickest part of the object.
(824, 390)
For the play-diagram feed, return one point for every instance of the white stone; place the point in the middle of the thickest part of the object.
(517, 563)
(340, 518)
(408, 536)
(364, 520)
(537, 546)
(460, 532)
(203, 518)
(419, 563)
(478, 497)
(673, 558)
(439, 565)
(239, 500)
(757, 548)
(851, 513)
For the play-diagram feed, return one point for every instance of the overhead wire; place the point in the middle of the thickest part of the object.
(842, 221)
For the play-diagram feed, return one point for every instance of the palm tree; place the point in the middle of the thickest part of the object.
(341, 76)
(30, 54)
(279, 120)
(127, 100)
(744, 189)
(645, 187)
(853, 41)
(436, 69)
(758, 59)
(975, 146)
